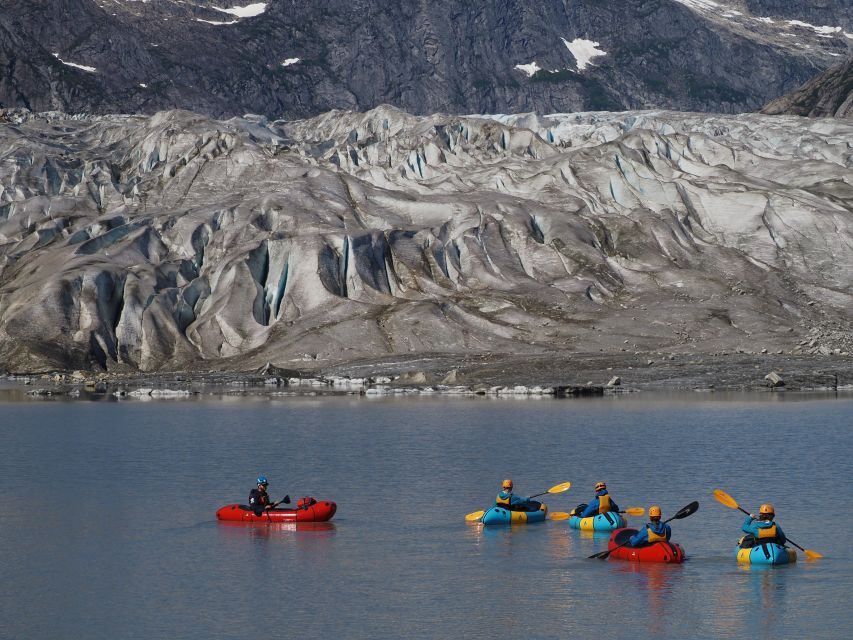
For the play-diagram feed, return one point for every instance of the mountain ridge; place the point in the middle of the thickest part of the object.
(441, 56)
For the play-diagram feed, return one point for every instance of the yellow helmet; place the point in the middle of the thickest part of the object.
(507, 484)
(654, 511)
(766, 509)
(600, 486)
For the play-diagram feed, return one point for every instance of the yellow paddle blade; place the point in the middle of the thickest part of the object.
(724, 498)
(635, 511)
(473, 517)
(559, 488)
(558, 515)
(813, 555)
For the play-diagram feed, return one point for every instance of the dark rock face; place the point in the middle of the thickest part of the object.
(298, 59)
(181, 242)
(828, 95)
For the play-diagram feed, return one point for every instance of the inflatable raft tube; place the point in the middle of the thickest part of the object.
(537, 512)
(601, 522)
(667, 552)
(316, 511)
(766, 553)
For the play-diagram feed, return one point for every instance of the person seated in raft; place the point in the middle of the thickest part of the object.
(762, 528)
(601, 503)
(259, 499)
(508, 500)
(654, 531)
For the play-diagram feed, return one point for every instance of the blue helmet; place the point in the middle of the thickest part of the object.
(262, 480)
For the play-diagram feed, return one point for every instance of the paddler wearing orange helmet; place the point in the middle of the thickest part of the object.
(508, 500)
(601, 503)
(763, 528)
(654, 531)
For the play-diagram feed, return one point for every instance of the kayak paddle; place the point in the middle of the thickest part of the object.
(558, 515)
(557, 488)
(724, 498)
(689, 510)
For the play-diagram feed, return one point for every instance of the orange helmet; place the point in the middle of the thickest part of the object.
(766, 509)
(507, 484)
(600, 486)
(654, 512)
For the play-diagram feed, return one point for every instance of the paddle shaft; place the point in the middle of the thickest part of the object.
(285, 499)
(561, 488)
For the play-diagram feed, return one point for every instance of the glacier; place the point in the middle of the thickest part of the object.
(177, 241)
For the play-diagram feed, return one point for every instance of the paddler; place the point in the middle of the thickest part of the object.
(763, 528)
(601, 503)
(654, 531)
(508, 500)
(259, 499)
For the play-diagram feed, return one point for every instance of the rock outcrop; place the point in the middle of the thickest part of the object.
(830, 94)
(180, 242)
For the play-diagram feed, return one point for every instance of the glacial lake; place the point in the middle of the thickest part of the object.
(107, 526)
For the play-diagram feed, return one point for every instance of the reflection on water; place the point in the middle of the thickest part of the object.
(595, 535)
(657, 583)
(268, 529)
(130, 548)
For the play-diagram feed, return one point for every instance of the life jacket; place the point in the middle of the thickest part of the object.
(767, 532)
(604, 504)
(503, 502)
(655, 537)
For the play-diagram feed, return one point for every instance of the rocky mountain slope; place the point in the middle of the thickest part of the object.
(828, 95)
(285, 58)
(181, 242)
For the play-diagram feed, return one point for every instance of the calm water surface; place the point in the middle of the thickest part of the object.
(107, 523)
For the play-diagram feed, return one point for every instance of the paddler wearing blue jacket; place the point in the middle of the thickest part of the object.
(763, 528)
(508, 500)
(654, 531)
(600, 504)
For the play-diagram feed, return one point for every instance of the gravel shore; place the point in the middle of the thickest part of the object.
(493, 374)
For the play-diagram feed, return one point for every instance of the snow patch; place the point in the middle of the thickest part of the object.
(583, 51)
(214, 22)
(828, 31)
(529, 69)
(289, 61)
(143, 85)
(766, 20)
(83, 67)
(249, 11)
(701, 5)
